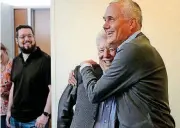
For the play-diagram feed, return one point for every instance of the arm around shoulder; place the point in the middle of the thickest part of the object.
(118, 78)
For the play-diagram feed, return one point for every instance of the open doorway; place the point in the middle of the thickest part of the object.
(37, 16)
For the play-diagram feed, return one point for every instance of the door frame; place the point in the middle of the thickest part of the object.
(30, 16)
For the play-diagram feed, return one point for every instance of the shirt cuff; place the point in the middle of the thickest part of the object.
(84, 65)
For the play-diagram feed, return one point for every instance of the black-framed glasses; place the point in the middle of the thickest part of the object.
(24, 36)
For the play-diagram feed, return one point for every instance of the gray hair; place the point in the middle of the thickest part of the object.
(101, 36)
(130, 9)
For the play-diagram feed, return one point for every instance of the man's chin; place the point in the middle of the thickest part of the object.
(111, 41)
(28, 50)
(107, 65)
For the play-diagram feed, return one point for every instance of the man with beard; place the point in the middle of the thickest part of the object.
(29, 99)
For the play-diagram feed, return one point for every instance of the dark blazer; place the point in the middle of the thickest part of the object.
(138, 80)
(85, 112)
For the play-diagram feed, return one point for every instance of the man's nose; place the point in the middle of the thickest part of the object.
(106, 25)
(26, 38)
(106, 53)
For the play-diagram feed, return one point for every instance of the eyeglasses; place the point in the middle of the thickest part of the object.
(24, 36)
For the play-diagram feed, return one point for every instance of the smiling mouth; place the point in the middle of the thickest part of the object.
(109, 34)
(27, 43)
(108, 62)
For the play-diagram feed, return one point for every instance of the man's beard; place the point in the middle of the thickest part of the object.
(28, 50)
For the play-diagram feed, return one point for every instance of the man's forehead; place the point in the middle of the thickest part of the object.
(25, 30)
(112, 10)
(111, 45)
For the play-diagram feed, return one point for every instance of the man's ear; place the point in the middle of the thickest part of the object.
(16, 40)
(133, 23)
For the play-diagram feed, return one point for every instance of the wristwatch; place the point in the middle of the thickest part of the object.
(46, 114)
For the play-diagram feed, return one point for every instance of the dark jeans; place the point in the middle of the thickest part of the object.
(16, 124)
(3, 121)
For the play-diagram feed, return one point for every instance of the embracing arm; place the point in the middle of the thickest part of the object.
(119, 77)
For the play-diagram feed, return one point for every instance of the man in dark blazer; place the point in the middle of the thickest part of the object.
(86, 114)
(137, 77)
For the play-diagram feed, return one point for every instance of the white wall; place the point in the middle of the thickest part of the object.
(27, 2)
(75, 25)
(7, 27)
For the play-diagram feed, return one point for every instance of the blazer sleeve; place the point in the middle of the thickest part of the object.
(66, 103)
(122, 74)
(65, 107)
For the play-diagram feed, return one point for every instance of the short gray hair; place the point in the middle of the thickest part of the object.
(130, 10)
(101, 36)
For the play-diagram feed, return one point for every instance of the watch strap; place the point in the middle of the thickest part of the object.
(46, 114)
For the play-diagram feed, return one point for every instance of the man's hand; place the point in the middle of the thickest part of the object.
(92, 62)
(72, 79)
(8, 119)
(41, 121)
